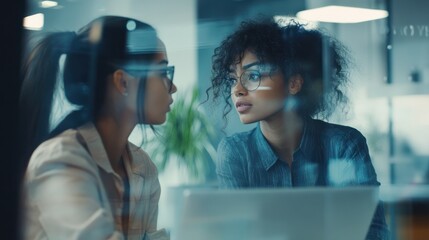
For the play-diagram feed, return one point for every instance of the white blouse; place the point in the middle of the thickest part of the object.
(72, 192)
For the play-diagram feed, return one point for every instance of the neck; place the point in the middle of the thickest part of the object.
(283, 132)
(114, 135)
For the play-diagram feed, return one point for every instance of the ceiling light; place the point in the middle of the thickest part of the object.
(34, 22)
(48, 4)
(341, 14)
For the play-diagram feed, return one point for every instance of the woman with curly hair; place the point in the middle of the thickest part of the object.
(283, 77)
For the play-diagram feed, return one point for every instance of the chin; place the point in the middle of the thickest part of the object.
(247, 120)
(155, 121)
(158, 122)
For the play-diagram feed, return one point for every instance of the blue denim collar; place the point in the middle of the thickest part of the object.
(305, 149)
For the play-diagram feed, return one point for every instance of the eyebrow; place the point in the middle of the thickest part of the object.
(247, 66)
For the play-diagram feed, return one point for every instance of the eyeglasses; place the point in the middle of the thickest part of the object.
(165, 73)
(250, 79)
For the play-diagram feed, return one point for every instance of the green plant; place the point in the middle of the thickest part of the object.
(186, 137)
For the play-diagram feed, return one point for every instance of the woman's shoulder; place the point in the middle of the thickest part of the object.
(337, 136)
(65, 149)
(237, 143)
(335, 131)
(240, 138)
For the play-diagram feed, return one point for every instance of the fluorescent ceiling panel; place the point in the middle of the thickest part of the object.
(341, 14)
(48, 4)
(34, 22)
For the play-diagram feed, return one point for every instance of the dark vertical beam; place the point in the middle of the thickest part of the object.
(11, 169)
(389, 80)
(391, 139)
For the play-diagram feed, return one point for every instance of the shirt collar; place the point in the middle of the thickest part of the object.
(267, 155)
(134, 154)
(96, 148)
(306, 147)
(309, 138)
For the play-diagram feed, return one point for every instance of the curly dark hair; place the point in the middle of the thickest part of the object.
(320, 59)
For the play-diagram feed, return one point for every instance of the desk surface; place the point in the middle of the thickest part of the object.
(395, 193)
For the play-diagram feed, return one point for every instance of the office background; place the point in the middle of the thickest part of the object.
(389, 91)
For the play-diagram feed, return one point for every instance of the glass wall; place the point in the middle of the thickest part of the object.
(388, 92)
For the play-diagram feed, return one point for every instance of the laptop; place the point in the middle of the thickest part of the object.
(322, 213)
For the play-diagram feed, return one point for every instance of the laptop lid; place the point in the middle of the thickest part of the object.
(276, 213)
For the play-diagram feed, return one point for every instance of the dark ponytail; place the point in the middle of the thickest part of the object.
(40, 71)
(92, 54)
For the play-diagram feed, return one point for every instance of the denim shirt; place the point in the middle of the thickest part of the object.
(328, 155)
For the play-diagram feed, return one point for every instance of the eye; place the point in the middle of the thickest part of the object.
(231, 80)
(253, 76)
(163, 73)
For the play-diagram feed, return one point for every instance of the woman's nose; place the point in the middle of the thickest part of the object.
(239, 90)
(173, 88)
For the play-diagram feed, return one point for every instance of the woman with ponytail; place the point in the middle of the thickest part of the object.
(84, 179)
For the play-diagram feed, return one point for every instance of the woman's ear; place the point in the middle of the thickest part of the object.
(295, 84)
(120, 82)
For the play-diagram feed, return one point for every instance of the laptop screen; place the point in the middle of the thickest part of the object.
(276, 213)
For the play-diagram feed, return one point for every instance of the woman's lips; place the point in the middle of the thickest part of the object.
(243, 107)
(169, 105)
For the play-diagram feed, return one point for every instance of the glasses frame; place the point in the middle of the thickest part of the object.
(260, 73)
(167, 79)
(169, 76)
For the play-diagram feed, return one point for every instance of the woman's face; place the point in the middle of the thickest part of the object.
(157, 99)
(264, 102)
